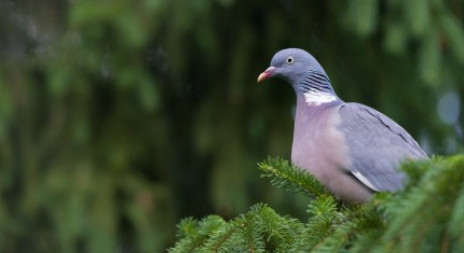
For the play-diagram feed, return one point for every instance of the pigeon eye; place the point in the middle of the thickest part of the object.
(290, 60)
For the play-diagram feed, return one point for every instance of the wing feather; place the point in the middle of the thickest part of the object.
(377, 145)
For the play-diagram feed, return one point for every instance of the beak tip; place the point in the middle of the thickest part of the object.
(266, 74)
(262, 77)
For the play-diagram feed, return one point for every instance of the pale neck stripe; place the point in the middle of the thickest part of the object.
(317, 97)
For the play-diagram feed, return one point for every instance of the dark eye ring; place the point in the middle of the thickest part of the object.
(290, 60)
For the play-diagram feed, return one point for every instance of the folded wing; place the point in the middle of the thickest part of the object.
(377, 146)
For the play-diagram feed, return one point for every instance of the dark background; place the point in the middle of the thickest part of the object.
(119, 118)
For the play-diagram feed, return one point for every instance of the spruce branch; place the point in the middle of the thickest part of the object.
(187, 227)
(193, 233)
(427, 216)
(218, 240)
(286, 176)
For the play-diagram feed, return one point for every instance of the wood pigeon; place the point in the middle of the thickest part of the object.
(352, 149)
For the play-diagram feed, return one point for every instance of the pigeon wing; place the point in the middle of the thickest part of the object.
(377, 145)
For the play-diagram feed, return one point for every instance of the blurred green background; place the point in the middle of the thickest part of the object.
(119, 118)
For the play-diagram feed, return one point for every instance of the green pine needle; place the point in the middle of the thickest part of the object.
(427, 216)
(291, 178)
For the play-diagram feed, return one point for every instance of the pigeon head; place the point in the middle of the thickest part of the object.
(300, 69)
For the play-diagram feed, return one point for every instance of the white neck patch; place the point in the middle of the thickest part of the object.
(318, 97)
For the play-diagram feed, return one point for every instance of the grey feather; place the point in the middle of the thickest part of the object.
(377, 145)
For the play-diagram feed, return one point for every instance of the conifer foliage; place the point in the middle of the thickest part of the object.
(427, 216)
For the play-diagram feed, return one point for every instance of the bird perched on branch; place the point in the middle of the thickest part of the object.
(352, 149)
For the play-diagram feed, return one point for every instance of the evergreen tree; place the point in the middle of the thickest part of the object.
(427, 216)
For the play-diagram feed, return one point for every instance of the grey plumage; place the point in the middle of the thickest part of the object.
(351, 148)
(377, 145)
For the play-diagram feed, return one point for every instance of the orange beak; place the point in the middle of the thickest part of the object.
(266, 74)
